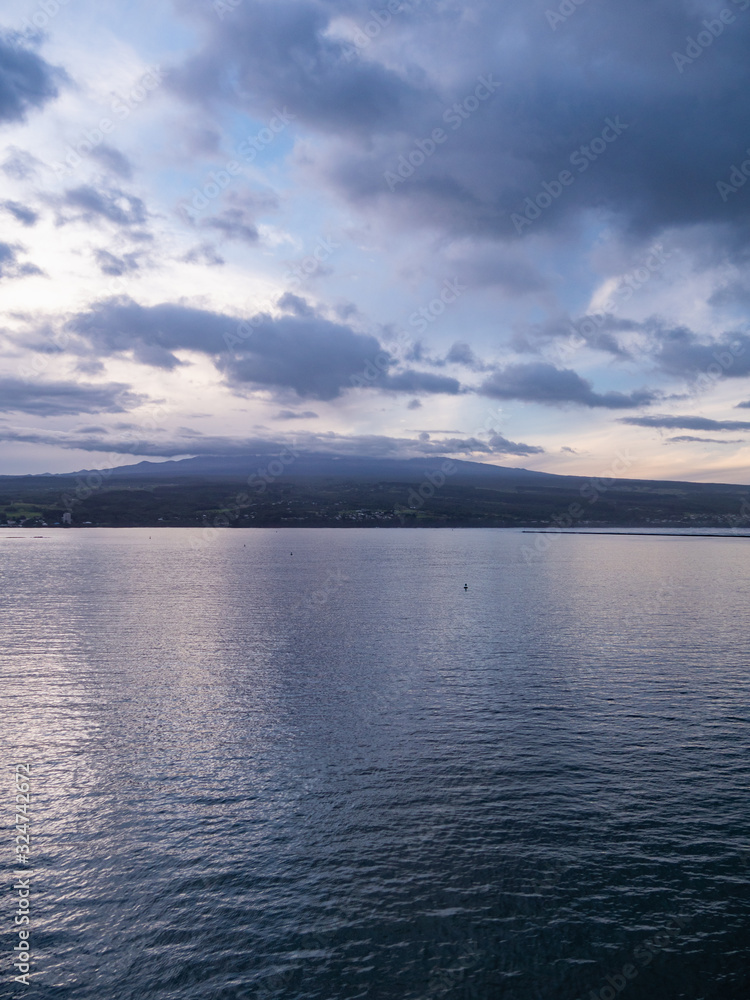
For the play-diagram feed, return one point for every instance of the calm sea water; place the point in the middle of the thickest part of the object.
(309, 764)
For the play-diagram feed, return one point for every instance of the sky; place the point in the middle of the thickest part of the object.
(512, 232)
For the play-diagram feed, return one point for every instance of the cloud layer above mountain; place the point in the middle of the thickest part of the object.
(524, 222)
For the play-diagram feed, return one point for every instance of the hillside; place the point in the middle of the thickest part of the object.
(320, 491)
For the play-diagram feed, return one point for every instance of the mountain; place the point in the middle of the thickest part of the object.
(316, 490)
(315, 465)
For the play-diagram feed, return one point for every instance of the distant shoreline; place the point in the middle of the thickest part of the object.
(643, 534)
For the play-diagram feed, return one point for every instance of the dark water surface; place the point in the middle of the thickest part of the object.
(336, 774)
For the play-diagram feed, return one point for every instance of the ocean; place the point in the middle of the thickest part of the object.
(303, 764)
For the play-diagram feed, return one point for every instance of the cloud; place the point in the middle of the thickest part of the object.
(543, 383)
(688, 439)
(237, 221)
(304, 443)
(292, 415)
(687, 423)
(420, 382)
(112, 204)
(151, 333)
(117, 266)
(10, 267)
(307, 354)
(483, 264)
(292, 303)
(502, 446)
(26, 216)
(679, 351)
(20, 164)
(55, 399)
(115, 161)
(204, 253)
(280, 55)
(316, 358)
(26, 80)
(301, 351)
(598, 332)
(458, 354)
(554, 93)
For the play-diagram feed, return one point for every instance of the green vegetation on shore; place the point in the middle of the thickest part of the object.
(340, 502)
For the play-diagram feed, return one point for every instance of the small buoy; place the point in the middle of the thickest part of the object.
(466, 586)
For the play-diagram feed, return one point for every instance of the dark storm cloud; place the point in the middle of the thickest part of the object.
(26, 216)
(305, 352)
(680, 127)
(114, 205)
(310, 355)
(314, 357)
(279, 56)
(115, 161)
(543, 383)
(26, 80)
(55, 399)
(687, 423)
